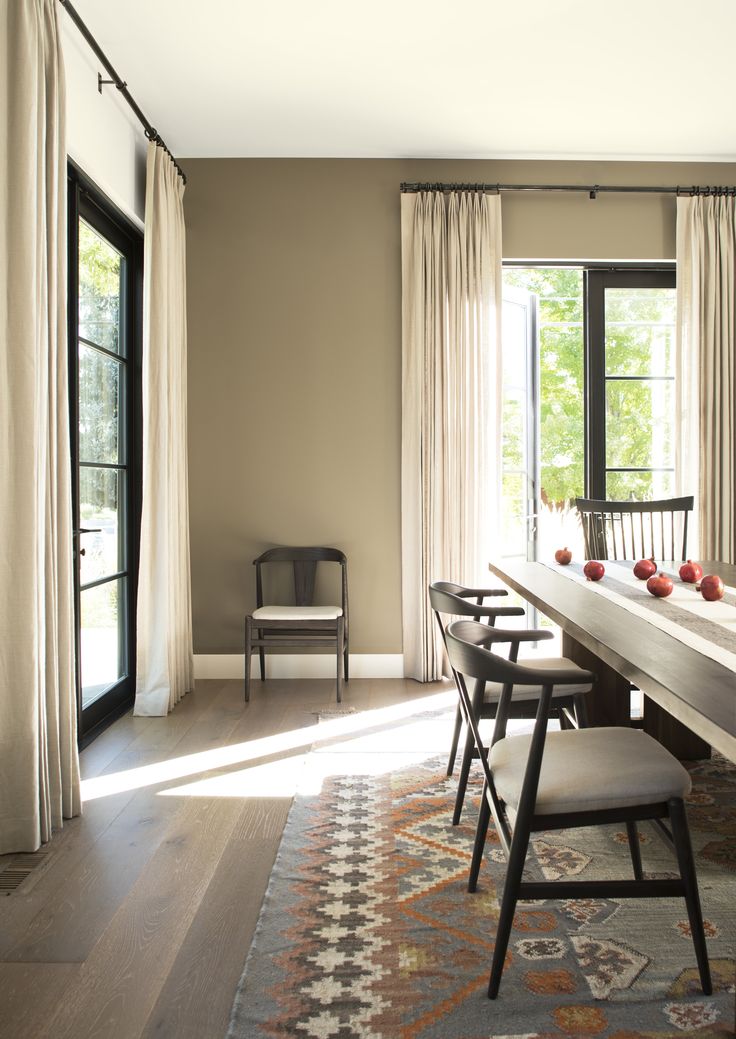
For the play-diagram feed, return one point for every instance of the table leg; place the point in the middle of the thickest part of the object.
(610, 701)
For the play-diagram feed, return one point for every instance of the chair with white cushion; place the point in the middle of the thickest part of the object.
(301, 624)
(568, 704)
(577, 777)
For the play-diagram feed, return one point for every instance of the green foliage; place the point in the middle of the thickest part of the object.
(100, 271)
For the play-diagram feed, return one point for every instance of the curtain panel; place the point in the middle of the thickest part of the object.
(706, 345)
(451, 386)
(39, 769)
(164, 611)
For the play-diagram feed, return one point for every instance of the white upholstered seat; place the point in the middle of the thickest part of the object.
(303, 613)
(590, 770)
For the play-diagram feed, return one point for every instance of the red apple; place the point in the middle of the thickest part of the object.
(563, 556)
(594, 570)
(711, 587)
(660, 585)
(645, 569)
(691, 572)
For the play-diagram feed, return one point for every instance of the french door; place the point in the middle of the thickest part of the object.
(105, 267)
(591, 348)
(520, 424)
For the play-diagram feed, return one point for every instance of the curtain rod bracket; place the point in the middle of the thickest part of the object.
(594, 193)
(105, 82)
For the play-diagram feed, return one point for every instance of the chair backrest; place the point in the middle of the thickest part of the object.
(445, 597)
(470, 659)
(635, 529)
(304, 563)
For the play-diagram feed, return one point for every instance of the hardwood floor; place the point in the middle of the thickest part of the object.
(138, 921)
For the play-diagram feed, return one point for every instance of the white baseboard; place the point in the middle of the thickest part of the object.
(299, 665)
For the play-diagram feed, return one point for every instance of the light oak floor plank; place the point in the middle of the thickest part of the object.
(30, 994)
(139, 923)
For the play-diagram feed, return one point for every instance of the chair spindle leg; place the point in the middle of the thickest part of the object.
(484, 818)
(455, 740)
(634, 849)
(462, 783)
(514, 870)
(685, 861)
(248, 654)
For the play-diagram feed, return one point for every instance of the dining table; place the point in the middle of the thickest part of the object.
(680, 651)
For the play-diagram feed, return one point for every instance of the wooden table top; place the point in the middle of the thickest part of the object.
(698, 691)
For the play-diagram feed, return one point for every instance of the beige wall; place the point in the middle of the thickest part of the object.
(294, 302)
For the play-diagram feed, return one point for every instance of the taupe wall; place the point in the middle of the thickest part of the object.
(294, 304)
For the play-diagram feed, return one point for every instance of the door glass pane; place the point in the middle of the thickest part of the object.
(559, 348)
(639, 486)
(517, 477)
(639, 423)
(513, 515)
(640, 331)
(102, 638)
(100, 280)
(100, 494)
(99, 406)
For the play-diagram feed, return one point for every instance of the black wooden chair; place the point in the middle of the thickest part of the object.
(302, 623)
(439, 592)
(579, 777)
(635, 529)
(451, 600)
(630, 530)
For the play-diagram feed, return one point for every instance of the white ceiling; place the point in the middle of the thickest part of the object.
(571, 79)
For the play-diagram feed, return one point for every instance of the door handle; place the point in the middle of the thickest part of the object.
(87, 530)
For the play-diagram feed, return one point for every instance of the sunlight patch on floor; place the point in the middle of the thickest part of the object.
(291, 742)
(388, 748)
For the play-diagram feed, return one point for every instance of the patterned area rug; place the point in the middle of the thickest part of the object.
(367, 930)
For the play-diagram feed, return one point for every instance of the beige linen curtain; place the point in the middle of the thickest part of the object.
(39, 771)
(451, 384)
(164, 622)
(706, 269)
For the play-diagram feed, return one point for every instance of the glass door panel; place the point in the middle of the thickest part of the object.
(104, 332)
(631, 386)
(102, 655)
(552, 319)
(519, 478)
(102, 377)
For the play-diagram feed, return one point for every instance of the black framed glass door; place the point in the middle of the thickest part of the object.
(631, 383)
(105, 266)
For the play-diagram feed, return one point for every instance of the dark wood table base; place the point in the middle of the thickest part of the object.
(610, 704)
(675, 736)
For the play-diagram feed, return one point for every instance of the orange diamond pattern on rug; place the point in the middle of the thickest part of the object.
(367, 930)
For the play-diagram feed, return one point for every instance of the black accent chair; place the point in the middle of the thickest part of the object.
(451, 600)
(578, 777)
(301, 623)
(635, 529)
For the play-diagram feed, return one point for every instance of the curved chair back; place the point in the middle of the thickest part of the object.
(304, 562)
(455, 601)
(635, 529)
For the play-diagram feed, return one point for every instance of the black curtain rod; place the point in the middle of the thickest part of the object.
(151, 132)
(592, 190)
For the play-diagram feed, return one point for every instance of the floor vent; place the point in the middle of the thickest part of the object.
(17, 870)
